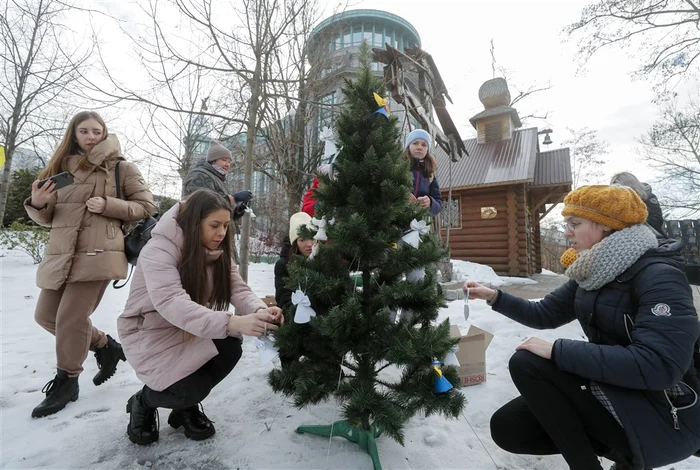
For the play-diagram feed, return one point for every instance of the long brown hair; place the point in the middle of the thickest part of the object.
(429, 167)
(193, 272)
(69, 146)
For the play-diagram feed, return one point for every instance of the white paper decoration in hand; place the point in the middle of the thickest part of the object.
(304, 311)
(266, 349)
(451, 357)
(314, 251)
(418, 228)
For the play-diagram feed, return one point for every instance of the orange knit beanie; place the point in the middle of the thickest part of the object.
(617, 207)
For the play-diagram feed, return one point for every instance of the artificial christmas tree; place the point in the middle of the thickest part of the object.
(379, 367)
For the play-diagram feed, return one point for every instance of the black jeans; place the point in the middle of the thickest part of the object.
(194, 388)
(556, 414)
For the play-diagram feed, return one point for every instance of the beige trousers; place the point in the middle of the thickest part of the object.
(65, 313)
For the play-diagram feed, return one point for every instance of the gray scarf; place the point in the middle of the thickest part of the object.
(611, 256)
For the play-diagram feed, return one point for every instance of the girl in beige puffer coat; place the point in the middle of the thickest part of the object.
(85, 250)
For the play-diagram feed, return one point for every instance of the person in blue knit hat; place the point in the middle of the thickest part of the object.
(426, 190)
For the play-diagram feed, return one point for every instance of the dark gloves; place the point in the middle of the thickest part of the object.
(243, 196)
(239, 210)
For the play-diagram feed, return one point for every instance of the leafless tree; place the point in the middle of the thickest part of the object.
(587, 151)
(39, 78)
(293, 152)
(672, 146)
(663, 34)
(235, 45)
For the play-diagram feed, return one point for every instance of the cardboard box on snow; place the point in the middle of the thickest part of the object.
(471, 354)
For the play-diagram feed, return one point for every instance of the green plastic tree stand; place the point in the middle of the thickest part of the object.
(364, 439)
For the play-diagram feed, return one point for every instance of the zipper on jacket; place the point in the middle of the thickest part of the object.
(674, 409)
(674, 413)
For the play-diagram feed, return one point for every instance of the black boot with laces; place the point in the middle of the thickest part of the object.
(197, 425)
(143, 421)
(59, 391)
(107, 358)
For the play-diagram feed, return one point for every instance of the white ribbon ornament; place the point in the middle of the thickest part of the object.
(321, 226)
(417, 229)
(451, 357)
(266, 349)
(304, 311)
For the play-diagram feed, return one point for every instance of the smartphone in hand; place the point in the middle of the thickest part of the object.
(61, 180)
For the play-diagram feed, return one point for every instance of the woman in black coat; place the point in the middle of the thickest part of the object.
(630, 393)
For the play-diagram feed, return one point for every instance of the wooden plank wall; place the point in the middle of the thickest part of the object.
(500, 242)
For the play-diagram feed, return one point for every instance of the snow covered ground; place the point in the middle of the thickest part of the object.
(255, 427)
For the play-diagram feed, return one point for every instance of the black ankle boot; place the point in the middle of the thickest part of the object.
(59, 391)
(143, 421)
(108, 357)
(197, 425)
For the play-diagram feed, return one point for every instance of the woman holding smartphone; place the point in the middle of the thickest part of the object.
(85, 250)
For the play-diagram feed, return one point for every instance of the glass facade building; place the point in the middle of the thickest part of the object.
(333, 46)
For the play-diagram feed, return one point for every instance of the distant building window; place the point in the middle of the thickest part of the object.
(375, 34)
(325, 111)
(450, 215)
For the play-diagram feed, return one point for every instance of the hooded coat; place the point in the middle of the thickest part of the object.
(166, 336)
(84, 246)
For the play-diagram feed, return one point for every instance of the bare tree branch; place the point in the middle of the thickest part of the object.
(662, 34)
(39, 75)
(672, 146)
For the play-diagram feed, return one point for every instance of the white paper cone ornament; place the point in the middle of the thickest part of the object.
(266, 349)
(304, 311)
(451, 357)
(466, 304)
(418, 228)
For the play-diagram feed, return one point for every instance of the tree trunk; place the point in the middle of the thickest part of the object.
(5, 185)
(248, 170)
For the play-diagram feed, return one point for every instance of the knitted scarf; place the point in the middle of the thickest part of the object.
(220, 170)
(611, 256)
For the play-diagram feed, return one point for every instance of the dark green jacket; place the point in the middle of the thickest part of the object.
(204, 175)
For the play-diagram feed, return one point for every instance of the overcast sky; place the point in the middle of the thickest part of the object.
(528, 43)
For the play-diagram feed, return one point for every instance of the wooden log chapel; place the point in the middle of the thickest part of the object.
(494, 199)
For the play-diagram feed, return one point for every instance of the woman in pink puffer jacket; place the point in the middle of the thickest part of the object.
(176, 331)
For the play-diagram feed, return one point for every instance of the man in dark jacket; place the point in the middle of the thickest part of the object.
(210, 173)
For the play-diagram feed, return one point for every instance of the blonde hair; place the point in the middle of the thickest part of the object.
(69, 146)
